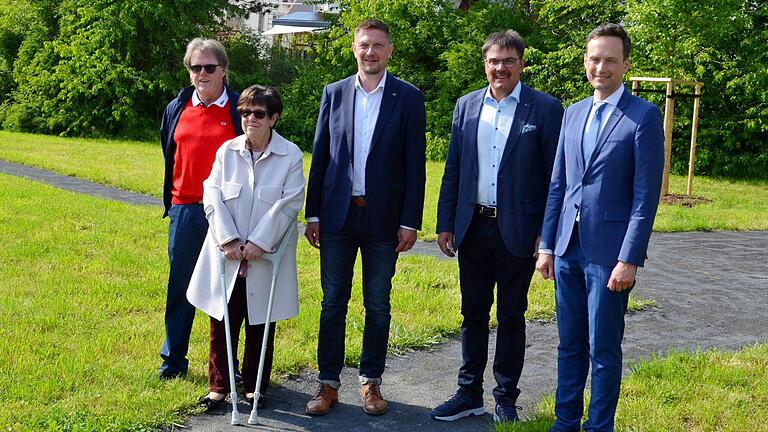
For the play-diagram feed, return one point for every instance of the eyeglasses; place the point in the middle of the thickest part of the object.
(507, 62)
(259, 114)
(209, 68)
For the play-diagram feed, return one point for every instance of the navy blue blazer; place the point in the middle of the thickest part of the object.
(395, 169)
(524, 173)
(616, 192)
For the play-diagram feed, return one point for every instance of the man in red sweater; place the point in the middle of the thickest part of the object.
(194, 125)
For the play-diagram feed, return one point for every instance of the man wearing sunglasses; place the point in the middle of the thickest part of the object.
(365, 192)
(490, 210)
(194, 125)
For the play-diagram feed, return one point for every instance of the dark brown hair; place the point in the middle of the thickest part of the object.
(615, 30)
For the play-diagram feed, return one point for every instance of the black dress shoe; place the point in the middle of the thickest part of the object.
(262, 401)
(210, 404)
(168, 374)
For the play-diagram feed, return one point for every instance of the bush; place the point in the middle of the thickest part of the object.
(437, 146)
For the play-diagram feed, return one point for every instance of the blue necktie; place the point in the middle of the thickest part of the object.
(593, 132)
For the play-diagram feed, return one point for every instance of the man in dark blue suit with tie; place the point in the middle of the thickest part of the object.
(491, 206)
(600, 211)
(365, 192)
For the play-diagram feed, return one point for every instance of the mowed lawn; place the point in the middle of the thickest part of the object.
(709, 391)
(83, 283)
(83, 297)
(81, 313)
(138, 166)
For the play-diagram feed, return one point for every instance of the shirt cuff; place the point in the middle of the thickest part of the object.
(408, 228)
(546, 251)
(312, 219)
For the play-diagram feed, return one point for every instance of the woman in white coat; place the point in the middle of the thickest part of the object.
(254, 192)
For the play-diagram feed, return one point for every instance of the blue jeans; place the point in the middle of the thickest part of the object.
(337, 260)
(186, 234)
(590, 322)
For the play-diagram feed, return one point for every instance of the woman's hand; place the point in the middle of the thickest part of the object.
(233, 251)
(252, 252)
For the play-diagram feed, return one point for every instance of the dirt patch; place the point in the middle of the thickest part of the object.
(684, 200)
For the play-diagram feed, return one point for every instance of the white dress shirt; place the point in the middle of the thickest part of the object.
(221, 101)
(492, 133)
(366, 113)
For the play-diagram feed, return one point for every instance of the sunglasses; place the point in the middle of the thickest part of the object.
(259, 114)
(209, 68)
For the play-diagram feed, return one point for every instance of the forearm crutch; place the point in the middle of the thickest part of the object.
(228, 334)
(275, 259)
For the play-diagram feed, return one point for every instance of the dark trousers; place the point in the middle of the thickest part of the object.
(186, 234)
(218, 369)
(484, 261)
(337, 261)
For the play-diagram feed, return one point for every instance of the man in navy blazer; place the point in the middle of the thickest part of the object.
(600, 210)
(366, 191)
(491, 206)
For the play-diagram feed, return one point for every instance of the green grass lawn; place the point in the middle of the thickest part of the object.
(83, 283)
(705, 391)
(138, 166)
(81, 315)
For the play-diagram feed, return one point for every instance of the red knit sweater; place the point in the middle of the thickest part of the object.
(199, 133)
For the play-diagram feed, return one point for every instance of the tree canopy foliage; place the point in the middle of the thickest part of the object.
(99, 67)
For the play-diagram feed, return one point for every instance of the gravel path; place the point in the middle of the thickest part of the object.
(711, 289)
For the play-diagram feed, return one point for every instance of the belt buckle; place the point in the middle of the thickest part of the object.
(359, 201)
(485, 211)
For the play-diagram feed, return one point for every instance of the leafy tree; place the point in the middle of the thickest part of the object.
(104, 67)
(555, 62)
(721, 43)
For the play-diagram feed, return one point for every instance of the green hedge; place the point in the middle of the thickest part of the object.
(105, 67)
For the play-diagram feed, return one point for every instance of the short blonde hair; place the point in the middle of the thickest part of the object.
(211, 46)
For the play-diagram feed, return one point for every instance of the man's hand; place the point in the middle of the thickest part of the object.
(445, 241)
(622, 277)
(312, 233)
(251, 251)
(406, 239)
(232, 250)
(545, 264)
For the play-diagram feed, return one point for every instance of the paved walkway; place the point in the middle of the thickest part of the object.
(711, 289)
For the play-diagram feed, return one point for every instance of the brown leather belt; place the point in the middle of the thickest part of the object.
(485, 211)
(359, 201)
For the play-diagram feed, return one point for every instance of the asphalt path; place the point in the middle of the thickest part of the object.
(711, 290)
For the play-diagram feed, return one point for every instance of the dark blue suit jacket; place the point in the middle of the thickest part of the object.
(524, 173)
(394, 171)
(616, 191)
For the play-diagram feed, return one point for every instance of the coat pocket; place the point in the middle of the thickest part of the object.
(230, 190)
(270, 194)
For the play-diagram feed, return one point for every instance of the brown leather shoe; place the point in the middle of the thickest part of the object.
(373, 402)
(325, 399)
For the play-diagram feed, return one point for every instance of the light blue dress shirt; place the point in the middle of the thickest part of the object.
(492, 133)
